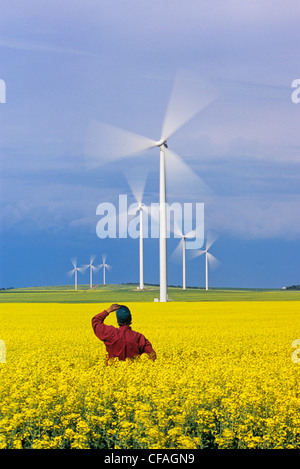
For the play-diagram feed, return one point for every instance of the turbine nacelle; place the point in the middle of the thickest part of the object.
(161, 143)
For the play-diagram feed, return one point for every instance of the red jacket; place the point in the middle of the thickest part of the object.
(121, 342)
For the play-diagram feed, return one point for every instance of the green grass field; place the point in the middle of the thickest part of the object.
(130, 293)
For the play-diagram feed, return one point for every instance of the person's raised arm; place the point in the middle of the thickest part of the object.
(113, 307)
(100, 329)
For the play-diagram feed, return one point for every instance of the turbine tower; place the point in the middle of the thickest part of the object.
(188, 98)
(104, 266)
(209, 258)
(75, 270)
(182, 246)
(141, 247)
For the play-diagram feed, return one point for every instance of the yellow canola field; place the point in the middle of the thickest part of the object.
(224, 378)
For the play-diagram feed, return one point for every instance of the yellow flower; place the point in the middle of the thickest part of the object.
(82, 427)
(223, 378)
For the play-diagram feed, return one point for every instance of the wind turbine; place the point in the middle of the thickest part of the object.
(141, 208)
(209, 258)
(137, 183)
(187, 100)
(92, 268)
(75, 270)
(182, 246)
(104, 266)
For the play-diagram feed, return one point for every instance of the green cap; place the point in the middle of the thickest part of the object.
(123, 314)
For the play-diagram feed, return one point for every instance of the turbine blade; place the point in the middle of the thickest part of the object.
(105, 143)
(193, 253)
(211, 238)
(189, 96)
(137, 181)
(71, 272)
(74, 261)
(81, 269)
(104, 256)
(176, 255)
(92, 259)
(191, 234)
(175, 227)
(213, 262)
(178, 232)
(181, 180)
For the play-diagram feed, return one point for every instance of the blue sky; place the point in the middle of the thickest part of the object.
(66, 64)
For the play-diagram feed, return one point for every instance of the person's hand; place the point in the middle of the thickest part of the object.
(113, 307)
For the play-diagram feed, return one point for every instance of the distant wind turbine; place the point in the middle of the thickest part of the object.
(188, 98)
(104, 266)
(75, 270)
(209, 258)
(137, 186)
(181, 246)
(92, 268)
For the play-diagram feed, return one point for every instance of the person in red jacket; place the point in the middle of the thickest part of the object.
(121, 342)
